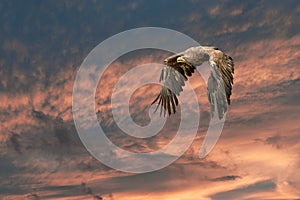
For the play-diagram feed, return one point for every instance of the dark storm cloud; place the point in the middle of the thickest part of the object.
(15, 141)
(68, 29)
(7, 167)
(63, 33)
(238, 193)
(276, 141)
(226, 178)
(32, 196)
(48, 136)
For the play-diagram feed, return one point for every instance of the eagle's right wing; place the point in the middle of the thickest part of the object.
(173, 76)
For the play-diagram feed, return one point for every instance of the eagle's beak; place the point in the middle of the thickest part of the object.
(181, 60)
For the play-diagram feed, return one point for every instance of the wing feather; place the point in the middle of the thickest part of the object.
(173, 77)
(220, 82)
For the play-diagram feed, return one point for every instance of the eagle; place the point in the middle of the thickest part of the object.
(177, 68)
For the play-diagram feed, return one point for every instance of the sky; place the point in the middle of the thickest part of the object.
(42, 45)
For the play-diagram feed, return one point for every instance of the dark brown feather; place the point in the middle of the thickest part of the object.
(166, 98)
(226, 67)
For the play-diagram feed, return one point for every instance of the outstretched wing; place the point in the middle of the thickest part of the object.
(220, 82)
(173, 76)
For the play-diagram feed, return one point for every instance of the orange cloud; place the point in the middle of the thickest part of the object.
(261, 110)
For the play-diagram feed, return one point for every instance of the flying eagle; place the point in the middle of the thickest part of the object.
(180, 66)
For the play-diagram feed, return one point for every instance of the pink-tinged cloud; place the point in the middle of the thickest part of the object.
(257, 156)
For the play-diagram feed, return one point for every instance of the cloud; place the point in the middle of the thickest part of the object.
(256, 156)
(226, 178)
(243, 192)
(33, 197)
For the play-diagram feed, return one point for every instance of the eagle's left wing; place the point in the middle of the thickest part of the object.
(220, 82)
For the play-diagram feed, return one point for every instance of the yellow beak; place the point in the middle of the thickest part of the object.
(180, 60)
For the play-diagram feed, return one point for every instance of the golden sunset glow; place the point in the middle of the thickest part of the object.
(42, 47)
